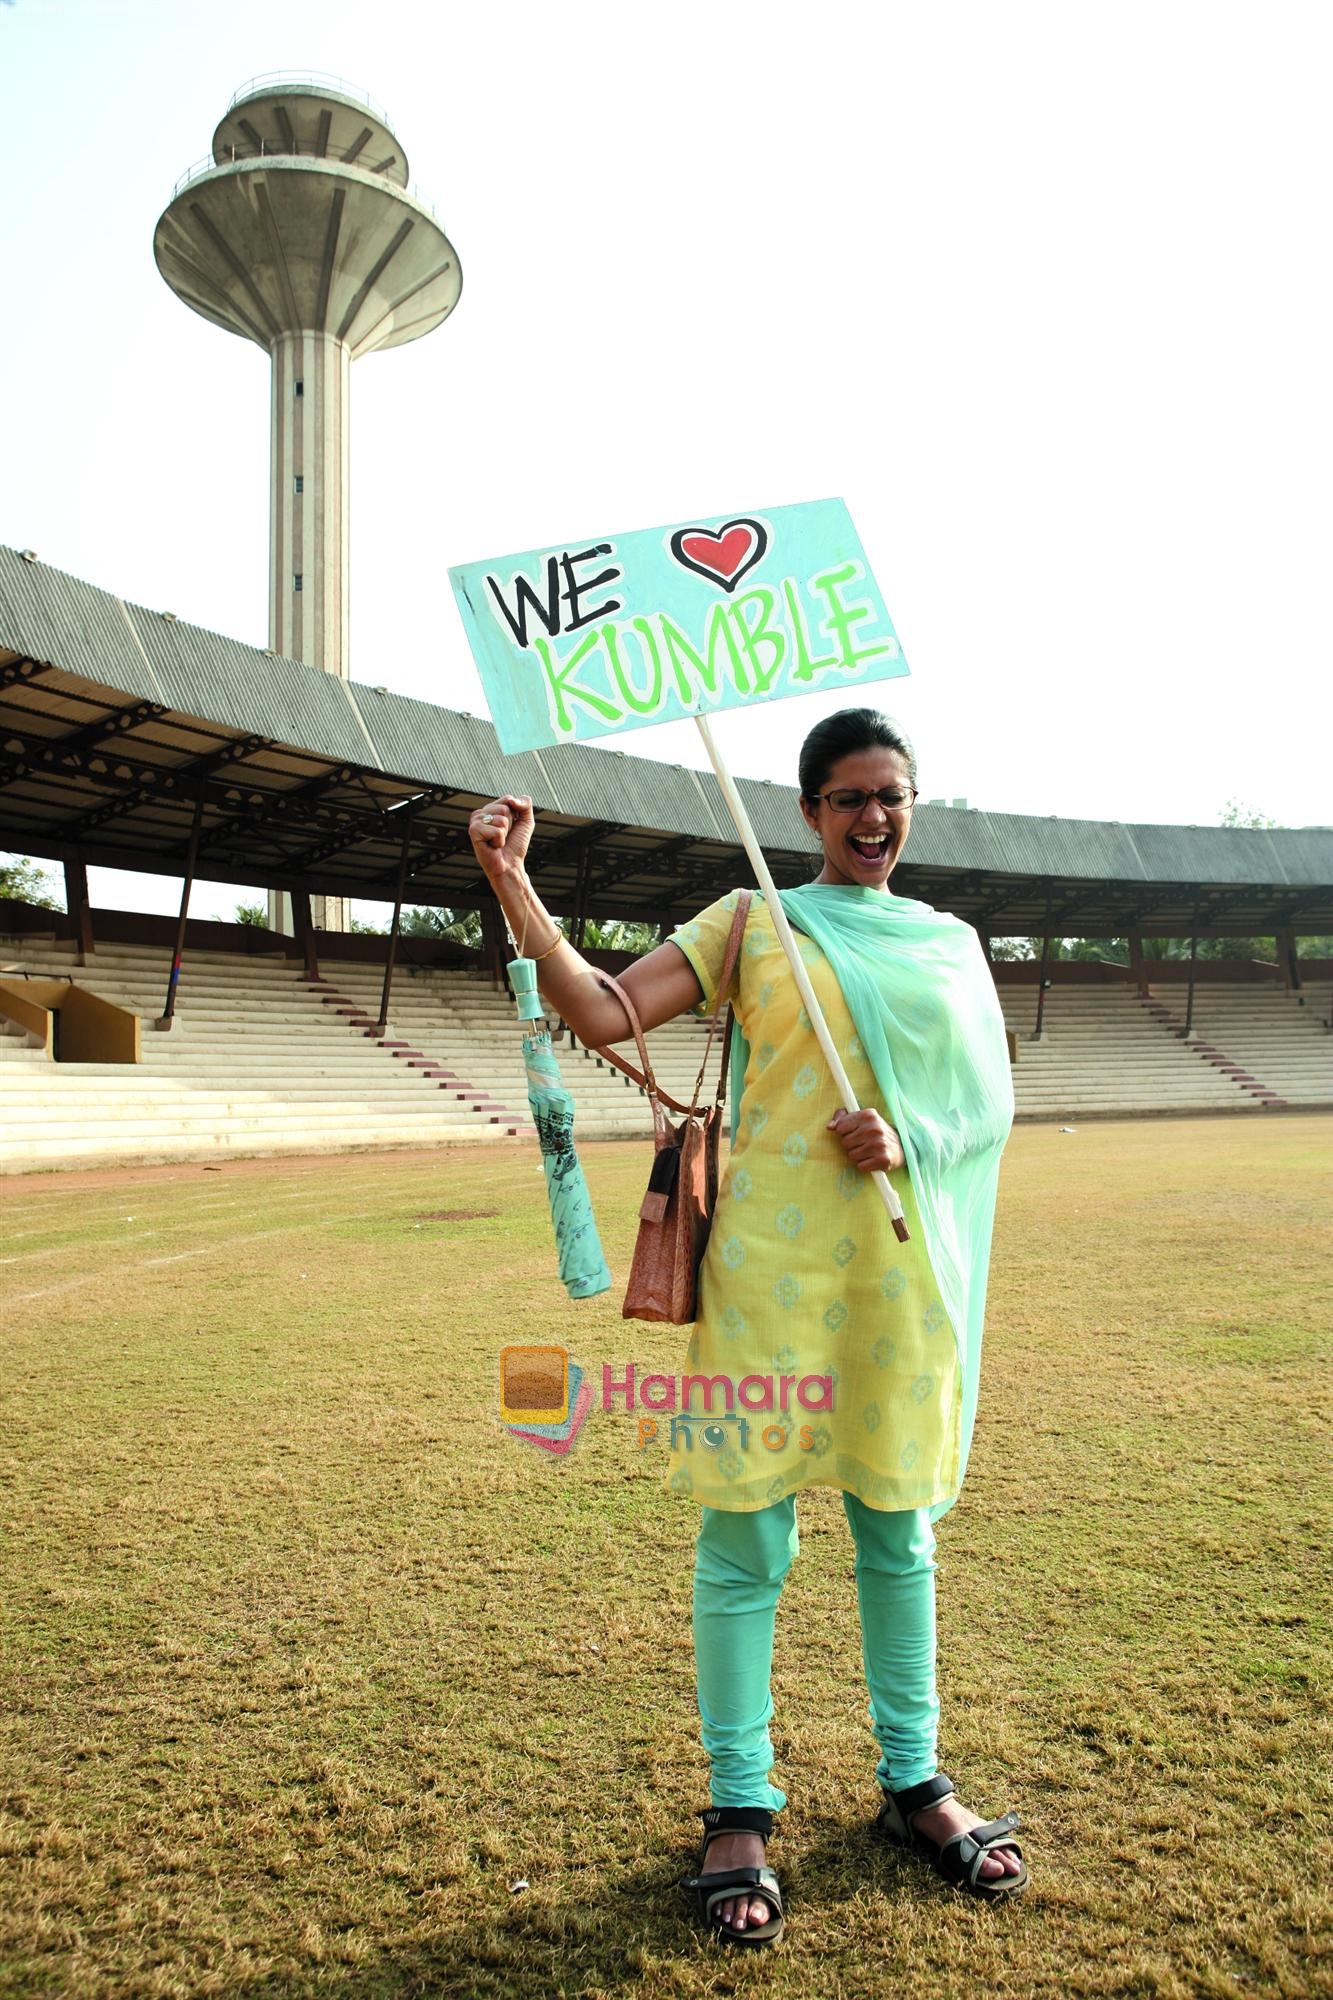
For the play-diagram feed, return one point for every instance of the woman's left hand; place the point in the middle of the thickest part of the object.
(868, 1140)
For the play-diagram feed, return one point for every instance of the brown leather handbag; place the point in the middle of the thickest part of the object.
(677, 1211)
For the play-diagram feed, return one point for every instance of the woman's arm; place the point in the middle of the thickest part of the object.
(661, 985)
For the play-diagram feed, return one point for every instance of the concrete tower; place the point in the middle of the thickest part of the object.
(299, 233)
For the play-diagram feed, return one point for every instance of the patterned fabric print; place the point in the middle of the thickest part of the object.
(804, 1276)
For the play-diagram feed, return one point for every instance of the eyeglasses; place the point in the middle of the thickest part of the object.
(891, 798)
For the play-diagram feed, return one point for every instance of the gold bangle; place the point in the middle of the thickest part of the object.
(560, 939)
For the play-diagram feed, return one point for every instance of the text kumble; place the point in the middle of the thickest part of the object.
(771, 639)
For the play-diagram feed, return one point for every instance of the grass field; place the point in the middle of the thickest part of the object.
(306, 1664)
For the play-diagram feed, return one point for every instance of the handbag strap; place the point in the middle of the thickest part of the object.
(645, 1078)
(728, 967)
(645, 1082)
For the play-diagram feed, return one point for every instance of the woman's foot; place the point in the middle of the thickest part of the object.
(982, 1857)
(738, 1850)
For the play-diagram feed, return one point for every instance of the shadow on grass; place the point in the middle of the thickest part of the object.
(859, 1912)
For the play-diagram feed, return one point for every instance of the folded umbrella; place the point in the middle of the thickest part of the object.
(582, 1265)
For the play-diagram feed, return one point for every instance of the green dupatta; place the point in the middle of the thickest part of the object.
(927, 1015)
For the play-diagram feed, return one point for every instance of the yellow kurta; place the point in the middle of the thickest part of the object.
(804, 1276)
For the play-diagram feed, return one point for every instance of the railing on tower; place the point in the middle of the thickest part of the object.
(232, 154)
(291, 78)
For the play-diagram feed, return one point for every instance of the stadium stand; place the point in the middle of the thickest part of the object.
(1103, 1051)
(1271, 1042)
(459, 1020)
(675, 1050)
(253, 1063)
(261, 1059)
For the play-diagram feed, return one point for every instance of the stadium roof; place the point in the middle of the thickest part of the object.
(117, 723)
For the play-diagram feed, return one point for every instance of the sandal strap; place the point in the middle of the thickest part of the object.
(738, 1819)
(916, 1798)
(993, 1832)
(721, 1888)
(959, 1860)
(728, 1879)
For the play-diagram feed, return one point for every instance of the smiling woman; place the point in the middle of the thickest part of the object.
(804, 1276)
(858, 787)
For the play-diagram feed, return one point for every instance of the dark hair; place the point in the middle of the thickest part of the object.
(841, 735)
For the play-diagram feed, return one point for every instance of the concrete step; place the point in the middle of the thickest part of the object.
(237, 1116)
(146, 1149)
(104, 1099)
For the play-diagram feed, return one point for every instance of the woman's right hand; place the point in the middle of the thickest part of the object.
(868, 1140)
(501, 833)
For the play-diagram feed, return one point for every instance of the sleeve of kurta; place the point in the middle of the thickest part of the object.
(704, 942)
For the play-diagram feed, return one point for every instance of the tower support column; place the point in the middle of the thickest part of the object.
(310, 481)
(308, 509)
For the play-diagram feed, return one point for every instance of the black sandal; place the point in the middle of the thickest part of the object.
(711, 1890)
(959, 1859)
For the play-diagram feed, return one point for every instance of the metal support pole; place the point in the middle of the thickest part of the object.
(1189, 993)
(79, 907)
(1041, 987)
(305, 931)
(394, 929)
(191, 857)
(1136, 965)
(581, 898)
(490, 940)
(578, 922)
(1288, 962)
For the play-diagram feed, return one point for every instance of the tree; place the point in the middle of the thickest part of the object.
(615, 935)
(458, 926)
(22, 881)
(1114, 951)
(1220, 947)
(464, 927)
(1235, 814)
(1012, 950)
(257, 914)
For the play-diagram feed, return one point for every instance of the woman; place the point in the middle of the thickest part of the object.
(803, 1277)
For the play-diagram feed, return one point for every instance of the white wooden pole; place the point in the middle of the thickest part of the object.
(826, 1042)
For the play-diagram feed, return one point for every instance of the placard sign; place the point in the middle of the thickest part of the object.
(599, 637)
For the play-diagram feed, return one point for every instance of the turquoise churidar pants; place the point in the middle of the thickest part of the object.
(740, 1563)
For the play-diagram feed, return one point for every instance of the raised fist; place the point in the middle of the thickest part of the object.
(501, 833)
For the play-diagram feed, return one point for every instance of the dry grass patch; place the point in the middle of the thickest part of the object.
(306, 1664)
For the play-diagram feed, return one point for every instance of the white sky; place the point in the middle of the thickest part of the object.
(1039, 289)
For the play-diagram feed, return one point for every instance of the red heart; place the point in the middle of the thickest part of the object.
(723, 555)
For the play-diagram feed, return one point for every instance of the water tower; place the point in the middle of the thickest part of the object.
(299, 232)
